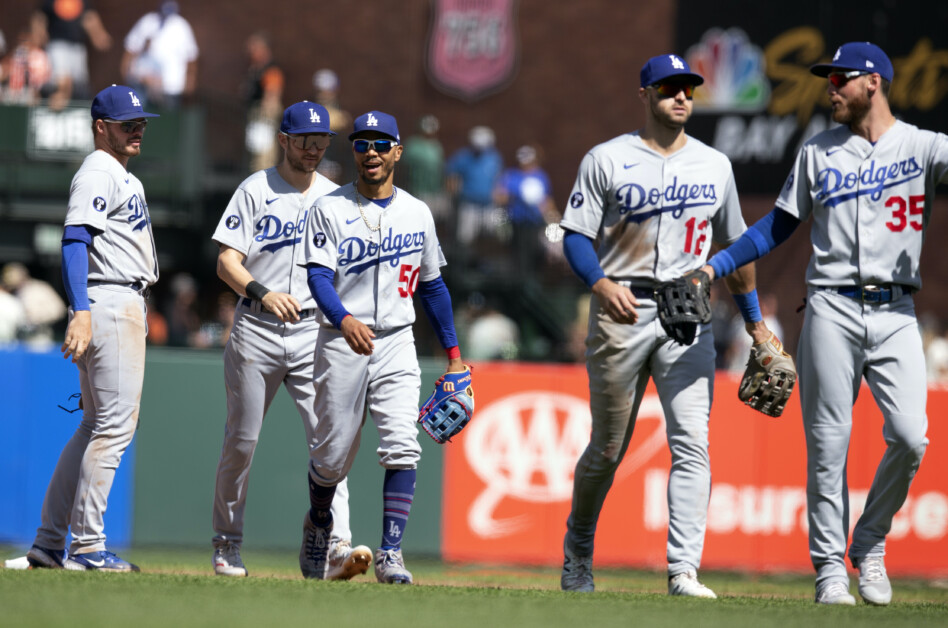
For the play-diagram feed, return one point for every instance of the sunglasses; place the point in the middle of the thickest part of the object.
(309, 142)
(379, 146)
(129, 126)
(838, 79)
(670, 90)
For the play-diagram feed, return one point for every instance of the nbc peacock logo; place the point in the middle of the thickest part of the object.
(734, 72)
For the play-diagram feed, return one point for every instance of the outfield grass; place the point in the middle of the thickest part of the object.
(177, 589)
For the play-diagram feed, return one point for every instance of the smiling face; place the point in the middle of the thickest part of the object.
(376, 168)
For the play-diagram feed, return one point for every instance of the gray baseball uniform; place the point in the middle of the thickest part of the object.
(379, 255)
(655, 218)
(870, 204)
(122, 264)
(264, 221)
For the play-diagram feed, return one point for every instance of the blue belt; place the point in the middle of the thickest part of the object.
(256, 306)
(871, 294)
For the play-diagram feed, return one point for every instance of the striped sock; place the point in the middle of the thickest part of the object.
(320, 501)
(398, 491)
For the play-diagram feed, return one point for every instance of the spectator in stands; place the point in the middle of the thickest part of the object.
(63, 28)
(214, 333)
(422, 167)
(156, 323)
(263, 95)
(160, 59)
(471, 173)
(42, 305)
(12, 317)
(25, 72)
(182, 315)
(486, 333)
(526, 193)
(337, 164)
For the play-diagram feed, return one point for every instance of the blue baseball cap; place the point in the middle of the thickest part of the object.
(377, 122)
(857, 55)
(118, 102)
(305, 117)
(662, 67)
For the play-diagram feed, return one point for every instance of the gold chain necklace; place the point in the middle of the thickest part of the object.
(361, 211)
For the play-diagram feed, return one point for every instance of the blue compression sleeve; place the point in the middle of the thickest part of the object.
(81, 233)
(321, 280)
(749, 306)
(76, 273)
(759, 239)
(582, 258)
(436, 300)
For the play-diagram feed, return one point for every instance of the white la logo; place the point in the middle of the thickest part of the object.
(314, 116)
(836, 56)
(676, 62)
(394, 530)
(869, 64)
(372, 121)
(135, 101)
(526, 445)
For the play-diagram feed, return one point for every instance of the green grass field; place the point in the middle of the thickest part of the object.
(177, 589)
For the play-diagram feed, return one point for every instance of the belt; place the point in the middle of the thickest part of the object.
(885, 293)
(640, 292)
(137, 286)
(257, 308)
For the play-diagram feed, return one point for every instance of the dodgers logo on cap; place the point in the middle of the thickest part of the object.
(662, 67)
(857, 55)
(376, 121)
(305, 117)
(118, 102)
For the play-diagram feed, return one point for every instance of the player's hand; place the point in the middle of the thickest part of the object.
(759, 332)
(78, 335)
(358, 335)
(284, 305)
(709, 271)
(455, 365)
(617, 300)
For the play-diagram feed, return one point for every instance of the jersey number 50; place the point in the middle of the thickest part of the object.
(409, 278)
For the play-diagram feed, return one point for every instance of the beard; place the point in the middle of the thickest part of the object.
(854, 111)
(119, 143)
(384, 172)
(666, 118)
(296, 163)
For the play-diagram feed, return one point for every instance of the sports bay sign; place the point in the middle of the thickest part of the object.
(509, 476)
(759, 102)
(472, 47)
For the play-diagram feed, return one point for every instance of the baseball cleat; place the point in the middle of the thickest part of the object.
(227, 561)
(315, 549)
(686, 584)
(874, 585)
(345, 562)
(43, 557)
(99, 561)
(577, 572)
(835, 592)
(390, 567)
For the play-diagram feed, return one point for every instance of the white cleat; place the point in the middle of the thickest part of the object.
(686, 584)
(390, 567)
(227, 561)
(345, 562)
(874, 585)
(577, 572)
(835, 592)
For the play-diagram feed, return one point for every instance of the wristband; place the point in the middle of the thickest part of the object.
(256, 291)
(454, 352)
(749, 306)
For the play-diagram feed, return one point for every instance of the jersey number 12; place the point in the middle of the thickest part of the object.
(690, 240)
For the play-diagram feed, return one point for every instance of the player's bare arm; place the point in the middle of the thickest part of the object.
(455, 365)
(742, 281)
(357, 335)
(78, 335)
(617, 300)
(230, 268)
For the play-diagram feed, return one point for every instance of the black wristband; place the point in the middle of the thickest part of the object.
(256, 291)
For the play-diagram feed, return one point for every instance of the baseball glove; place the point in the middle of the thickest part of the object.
(450, 407)
(769, 378)
(683, 304)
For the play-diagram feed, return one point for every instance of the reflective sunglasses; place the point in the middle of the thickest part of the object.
(379, 146)
(129, 126)
(309, 142)
(670, 90)
(838, 79)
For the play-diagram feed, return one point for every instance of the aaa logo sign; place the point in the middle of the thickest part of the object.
(472, 47)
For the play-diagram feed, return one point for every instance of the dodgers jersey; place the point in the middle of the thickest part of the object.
(105, 196)
(265, 220)
(870, 203)
(655, 216)
(377, 271)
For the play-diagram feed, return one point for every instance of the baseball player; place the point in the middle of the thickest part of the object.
(868, 186)
(655, 199)
(274, 334)
(369, 248)
(109, 262)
